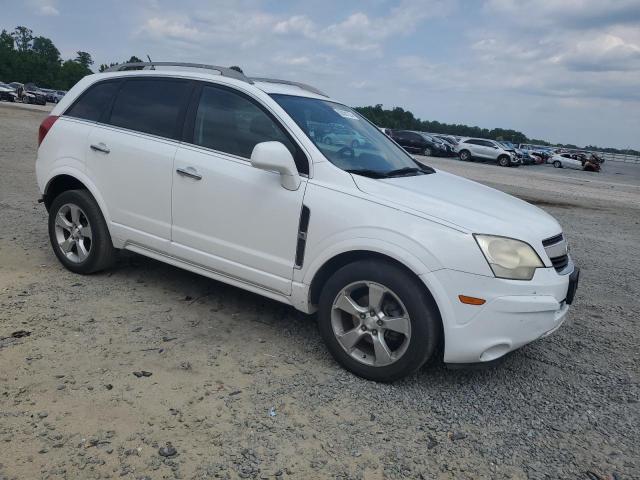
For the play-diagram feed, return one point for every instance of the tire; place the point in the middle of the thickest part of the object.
(464, 155)
(504, 161)
(557, 164)
(427, 152)
(404, 297)
(89, 249)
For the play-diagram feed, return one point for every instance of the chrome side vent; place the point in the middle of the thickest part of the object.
(303, 228)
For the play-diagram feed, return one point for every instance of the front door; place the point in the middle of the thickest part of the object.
(229, 217)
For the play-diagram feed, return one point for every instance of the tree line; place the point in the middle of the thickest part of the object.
(27, 58)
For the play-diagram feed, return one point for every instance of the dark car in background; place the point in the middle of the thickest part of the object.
(420, 143)
(8, 93)
(40, 96)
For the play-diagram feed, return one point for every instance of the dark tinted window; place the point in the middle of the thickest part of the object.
(92, 104)
(231, 123)
(151, 105)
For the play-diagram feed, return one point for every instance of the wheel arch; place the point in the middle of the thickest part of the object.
(64, 179)
(59, 184)
(333, 264)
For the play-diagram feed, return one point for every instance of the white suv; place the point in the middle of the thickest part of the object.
(229, 177)
(482, 149)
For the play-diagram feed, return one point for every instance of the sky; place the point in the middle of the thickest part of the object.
(567, 71)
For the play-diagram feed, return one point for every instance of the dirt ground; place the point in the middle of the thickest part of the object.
(242, 387)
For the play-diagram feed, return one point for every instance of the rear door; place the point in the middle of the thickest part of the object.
(130, 156)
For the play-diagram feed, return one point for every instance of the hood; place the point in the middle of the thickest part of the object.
(463, 204)
(6, 89)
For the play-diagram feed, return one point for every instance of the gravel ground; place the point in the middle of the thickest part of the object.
(242, 387)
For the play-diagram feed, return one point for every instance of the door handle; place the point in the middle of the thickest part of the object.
(189, 172)
(100, 147)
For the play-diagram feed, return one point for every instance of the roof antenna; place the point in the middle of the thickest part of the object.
(152, 67)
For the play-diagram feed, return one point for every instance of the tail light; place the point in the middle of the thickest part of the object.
(45, 126)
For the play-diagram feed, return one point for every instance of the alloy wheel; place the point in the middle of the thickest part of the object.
(371, 323)
(73, 233)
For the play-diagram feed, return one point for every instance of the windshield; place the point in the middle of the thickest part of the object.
(508, 145)
(348, 140)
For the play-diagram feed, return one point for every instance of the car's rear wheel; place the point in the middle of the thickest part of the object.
(78, 233)
(378, 321)
(464, 155)
(504, 161)
(557, 164)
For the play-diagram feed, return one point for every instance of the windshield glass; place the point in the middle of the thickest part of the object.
(347, 139)
(508, 145)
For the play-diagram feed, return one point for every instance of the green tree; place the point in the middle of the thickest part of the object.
(71, 72)
(6, 40)
(84, 59)
(22, 36)
(45, 48)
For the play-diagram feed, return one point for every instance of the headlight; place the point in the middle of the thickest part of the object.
(509, 258)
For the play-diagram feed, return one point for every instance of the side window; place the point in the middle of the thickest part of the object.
(151, 105)
(231, 123)
(92, 103)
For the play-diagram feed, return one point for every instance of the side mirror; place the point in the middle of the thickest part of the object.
(274, 156)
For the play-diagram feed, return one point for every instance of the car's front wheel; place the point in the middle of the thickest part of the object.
(378, 321)
(504, 161)
(464, 155)
(78, 233)
(557, 164)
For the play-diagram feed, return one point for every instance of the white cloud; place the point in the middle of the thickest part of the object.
(45, 8)
(179, 29)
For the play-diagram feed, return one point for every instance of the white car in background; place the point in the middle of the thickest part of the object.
(225, 178)
(564, 160)
(486, 150)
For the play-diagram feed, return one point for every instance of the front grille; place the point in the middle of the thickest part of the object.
(560, 263)
(557, 250)
(552, 240)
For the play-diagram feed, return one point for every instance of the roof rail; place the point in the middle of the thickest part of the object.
(303, 86)
(224, 71)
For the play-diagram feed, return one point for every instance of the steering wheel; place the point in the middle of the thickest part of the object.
(346, 152)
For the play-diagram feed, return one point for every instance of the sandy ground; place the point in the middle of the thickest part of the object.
(242, 386)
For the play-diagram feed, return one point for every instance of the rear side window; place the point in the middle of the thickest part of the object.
(93, 103)
(231, 123)
(151, 105)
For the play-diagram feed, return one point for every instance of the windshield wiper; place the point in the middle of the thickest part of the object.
(365, 172)
(406, 171)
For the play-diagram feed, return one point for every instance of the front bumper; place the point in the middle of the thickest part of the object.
(515, 312)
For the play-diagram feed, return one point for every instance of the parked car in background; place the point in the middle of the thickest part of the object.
(486, 150)
(40, 97)
(439, 148)
(7, 93)
(341, 135)
(522, 155)
(588, 163)
(400, 261)
(417, 142)
(53, 96)
(29, 93)
(540, 151)
(447, 138)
